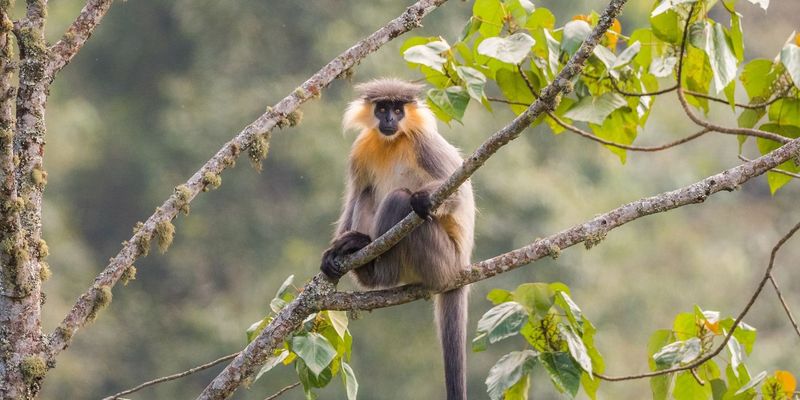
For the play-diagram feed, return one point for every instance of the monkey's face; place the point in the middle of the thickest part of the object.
(389, 114)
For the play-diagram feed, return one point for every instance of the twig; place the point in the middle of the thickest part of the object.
(282, 391)
(724, 129)
(619, 90)
(590, 136)
(171, 377)
(751, 106)
(778, 170)
(78, 316)
(736, 322)
(292, 315)
(784, 304)
(76, 35)
(590, 231)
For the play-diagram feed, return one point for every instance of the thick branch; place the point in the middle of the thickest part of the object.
(292, 315)
(76, 35)
(589, 232)
(85, 307)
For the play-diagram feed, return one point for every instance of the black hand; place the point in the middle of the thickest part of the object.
(421, 204)
(349, 243)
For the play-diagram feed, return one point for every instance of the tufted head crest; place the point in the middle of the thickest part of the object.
(391, 89)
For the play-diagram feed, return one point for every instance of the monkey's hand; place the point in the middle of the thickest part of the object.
(421, 204)
(348, 243)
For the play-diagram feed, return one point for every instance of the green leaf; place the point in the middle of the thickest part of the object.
(667, 26)
(542, 18)
(790, 58)
(680, 352)
(666, 5)
(502, 321)
(737, 36)
(512, 49)
(448, 104)
(497, 296)
(563, 371)
(283, 292)
(514, 88)
(508, 371)
(537, 298)
(350, 382)
(309, 379)
(520, 389)
(619, 127)
(785, 112)
(627, 55)
(651, 46)
(428, 54)
(711, 38)
(339, 321)
(590, 385)
(596, 109)
(315, 350)
(575, 32)
(758, 77)
(659, 385)
(490, 13)
(753, 382)
(687, 388)
(256, 328)
(271, 363)
(519, 10)
(474, 80)
(744, 333)
(663, 66)
(777, 180)
(472, 26)
(574, 314)
(576, 348)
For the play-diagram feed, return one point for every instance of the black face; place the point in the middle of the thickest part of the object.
(389, 113)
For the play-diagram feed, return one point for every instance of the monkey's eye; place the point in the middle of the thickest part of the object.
(397, 111)
(382, 109)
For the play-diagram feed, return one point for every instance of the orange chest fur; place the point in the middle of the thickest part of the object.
(386, 165)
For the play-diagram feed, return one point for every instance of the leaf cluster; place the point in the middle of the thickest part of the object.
(319, 350)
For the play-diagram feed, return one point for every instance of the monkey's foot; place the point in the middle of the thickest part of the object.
(421, 204)
(348, 243)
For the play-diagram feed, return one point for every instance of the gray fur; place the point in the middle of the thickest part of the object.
(428, 255)
(389, 89)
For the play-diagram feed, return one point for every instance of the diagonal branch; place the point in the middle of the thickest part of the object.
(292, 315)
(91, 301)
(76, 35)
(784, 304)
(589, 232)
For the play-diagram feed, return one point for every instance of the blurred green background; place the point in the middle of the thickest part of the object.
(161, 85)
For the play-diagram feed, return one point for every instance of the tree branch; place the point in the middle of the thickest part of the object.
(86, 307)
(292, 315)
(171, 377)
(76, 35)
(589, 232)
(777, 170)
(282, 391)
(784, 304)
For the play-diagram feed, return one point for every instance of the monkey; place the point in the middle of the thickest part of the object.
(396, 162)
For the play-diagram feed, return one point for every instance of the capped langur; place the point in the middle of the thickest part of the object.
(398, 159)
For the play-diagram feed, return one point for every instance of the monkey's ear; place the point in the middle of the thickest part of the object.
(359, 116)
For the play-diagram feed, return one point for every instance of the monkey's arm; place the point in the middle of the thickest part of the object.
(421, 201)
(347, 240)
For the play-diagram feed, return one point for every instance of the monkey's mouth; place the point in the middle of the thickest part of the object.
(388, 130)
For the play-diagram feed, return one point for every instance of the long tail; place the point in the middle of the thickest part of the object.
(451, 317)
